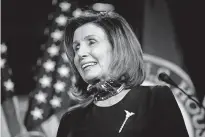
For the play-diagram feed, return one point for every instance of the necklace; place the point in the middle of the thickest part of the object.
(105, 89)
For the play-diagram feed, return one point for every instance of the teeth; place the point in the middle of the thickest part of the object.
(88, 64)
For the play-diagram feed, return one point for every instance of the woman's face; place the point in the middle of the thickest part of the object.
(93, 52)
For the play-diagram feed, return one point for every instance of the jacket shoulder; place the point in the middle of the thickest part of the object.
(68, 121)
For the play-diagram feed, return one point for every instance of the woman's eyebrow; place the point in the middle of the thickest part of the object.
(89, 36)
(74, 43)
(85, 38)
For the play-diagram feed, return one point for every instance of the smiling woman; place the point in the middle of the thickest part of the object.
(107, 59)
(93, 52)
(115, 48)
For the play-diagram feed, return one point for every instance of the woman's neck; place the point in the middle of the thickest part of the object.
(112, 100)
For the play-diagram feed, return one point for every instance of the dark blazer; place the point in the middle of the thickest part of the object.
(156, 115)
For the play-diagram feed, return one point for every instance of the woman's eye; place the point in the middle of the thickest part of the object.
(92, 41)
(76, 47)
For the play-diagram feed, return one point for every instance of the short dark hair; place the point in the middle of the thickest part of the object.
(127, 64)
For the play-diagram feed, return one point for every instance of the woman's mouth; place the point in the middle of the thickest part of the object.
(87, 65)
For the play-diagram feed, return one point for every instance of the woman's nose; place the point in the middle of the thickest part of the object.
(83, 51)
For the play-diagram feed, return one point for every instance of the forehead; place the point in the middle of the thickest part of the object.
(89, 29)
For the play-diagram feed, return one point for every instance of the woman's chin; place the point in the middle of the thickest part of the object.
(91, 80)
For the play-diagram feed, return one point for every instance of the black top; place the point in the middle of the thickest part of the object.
(153, 113)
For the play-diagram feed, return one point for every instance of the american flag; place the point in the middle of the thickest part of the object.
(12, 123)
(50, 99)
(7, 87)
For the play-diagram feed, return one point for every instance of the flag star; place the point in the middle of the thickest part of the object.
(50, 16)
(65, 6)
(57, 35)
(54, 2)
(46, 31)
(9, 85)
(56, 102)
(53, 50)
(10, 71)
(3, 48)
(41, 97)
(65, 57)
(39, 61)
(49, 65)
(63, 71)
(59, 86)
(37, 113)
(77, 12)
(61, 20)
(45, 81)
(3, 61)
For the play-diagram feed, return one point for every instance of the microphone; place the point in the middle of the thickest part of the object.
(165, 78)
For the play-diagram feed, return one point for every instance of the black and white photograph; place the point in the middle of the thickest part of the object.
(102, 68)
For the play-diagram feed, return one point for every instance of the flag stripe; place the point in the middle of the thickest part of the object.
(39, 130)
(50, 126)
(49, 98)
(18, 115)
(11, 117)
(4, 126)
(60, 114)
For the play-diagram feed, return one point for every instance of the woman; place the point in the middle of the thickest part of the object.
(107, 58)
